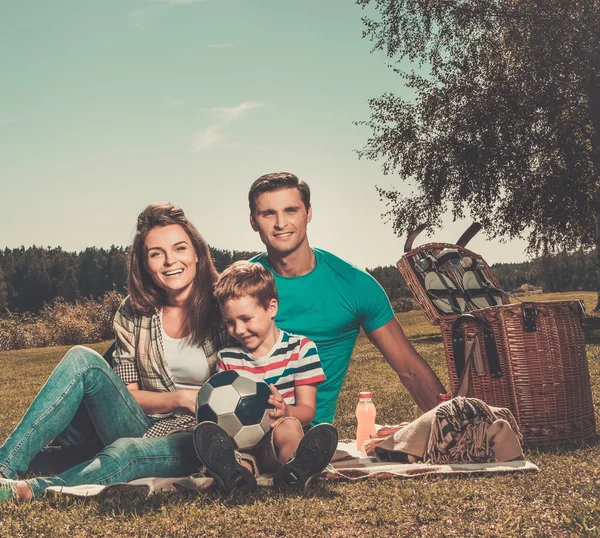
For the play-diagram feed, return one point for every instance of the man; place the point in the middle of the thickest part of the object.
(328, 299)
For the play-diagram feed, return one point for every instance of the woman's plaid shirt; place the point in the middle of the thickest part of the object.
(139, 358)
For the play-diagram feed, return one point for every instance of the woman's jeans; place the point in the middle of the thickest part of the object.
(84, 376)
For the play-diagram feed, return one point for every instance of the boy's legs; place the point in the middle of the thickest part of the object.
(313, 454)
(277, 446)
(286, 437)
(81, 376)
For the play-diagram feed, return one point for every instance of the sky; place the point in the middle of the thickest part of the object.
(109, 105)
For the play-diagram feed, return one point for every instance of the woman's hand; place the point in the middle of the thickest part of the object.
(281, 408)
(153, 402)
(187, 400)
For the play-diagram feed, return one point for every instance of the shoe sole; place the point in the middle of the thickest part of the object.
(312, 456)
(220, 460)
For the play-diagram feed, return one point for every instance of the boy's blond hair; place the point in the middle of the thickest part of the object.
(246, 279)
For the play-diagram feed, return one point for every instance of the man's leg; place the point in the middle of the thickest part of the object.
(81, 376)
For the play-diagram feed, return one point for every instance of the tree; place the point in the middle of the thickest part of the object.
(3, 294)
(505, 120)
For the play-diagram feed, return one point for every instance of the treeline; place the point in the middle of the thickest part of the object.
(34, 276)
(574, 271)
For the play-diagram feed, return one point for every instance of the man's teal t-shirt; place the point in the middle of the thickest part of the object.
(329, 305)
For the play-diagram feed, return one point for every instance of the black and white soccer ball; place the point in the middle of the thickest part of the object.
(238, 404)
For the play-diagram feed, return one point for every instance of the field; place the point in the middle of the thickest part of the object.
(562, 500)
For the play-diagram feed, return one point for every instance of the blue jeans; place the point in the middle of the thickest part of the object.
(83, 376)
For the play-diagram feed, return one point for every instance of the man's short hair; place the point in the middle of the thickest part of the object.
(275, 182)
(246, 279)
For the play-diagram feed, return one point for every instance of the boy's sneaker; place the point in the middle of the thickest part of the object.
(314, 453)
(216, 450)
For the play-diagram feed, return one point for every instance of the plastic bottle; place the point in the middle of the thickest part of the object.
(365, 418)
(441, 398)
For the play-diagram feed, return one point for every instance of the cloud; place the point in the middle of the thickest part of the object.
(173, 101)
(227, 45)
(224, 117)
(143, 19)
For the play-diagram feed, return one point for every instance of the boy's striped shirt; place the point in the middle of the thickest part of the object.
(293, 361)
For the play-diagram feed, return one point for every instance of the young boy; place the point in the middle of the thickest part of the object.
(290, 365)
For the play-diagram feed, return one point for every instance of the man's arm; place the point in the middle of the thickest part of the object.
(415, 374)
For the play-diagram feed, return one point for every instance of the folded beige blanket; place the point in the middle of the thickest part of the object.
(462, 430)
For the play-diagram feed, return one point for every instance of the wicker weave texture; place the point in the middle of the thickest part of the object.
(415, 284)
(545, 381)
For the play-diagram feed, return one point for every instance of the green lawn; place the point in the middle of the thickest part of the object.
(562, 500)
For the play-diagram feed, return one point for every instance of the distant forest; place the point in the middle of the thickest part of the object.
(564, 271)
(30, 277)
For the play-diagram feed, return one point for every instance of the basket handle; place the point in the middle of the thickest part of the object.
(469, 234)
(410, 239)
(466, 349)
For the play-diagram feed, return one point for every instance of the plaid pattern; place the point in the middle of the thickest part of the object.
(139, 358)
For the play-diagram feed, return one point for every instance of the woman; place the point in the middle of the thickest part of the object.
(167, 333)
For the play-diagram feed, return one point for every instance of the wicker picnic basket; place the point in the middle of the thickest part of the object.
(529, 357)
(415, 285)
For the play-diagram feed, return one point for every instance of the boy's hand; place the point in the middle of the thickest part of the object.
(281, 408)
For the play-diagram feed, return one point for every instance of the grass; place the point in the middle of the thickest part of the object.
(561, 500)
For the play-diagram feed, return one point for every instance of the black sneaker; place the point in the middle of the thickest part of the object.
(314, 453)
(216, 450)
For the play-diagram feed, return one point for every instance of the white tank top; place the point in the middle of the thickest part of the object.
(187, 363)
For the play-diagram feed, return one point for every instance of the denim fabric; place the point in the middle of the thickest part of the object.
(81, 376)
(127, 459)
(84, 377)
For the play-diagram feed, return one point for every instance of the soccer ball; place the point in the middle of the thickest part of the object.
(238, 404)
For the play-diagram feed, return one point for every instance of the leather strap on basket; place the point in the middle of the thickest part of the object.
(486, 290)
(467, 351)
(450, 294)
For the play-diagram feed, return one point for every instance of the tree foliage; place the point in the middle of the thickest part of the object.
(34, 276)
(505, 119)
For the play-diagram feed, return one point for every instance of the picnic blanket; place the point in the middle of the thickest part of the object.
(462, 436)
(348, 464)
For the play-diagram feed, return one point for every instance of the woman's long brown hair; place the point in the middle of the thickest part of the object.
(204, 317)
